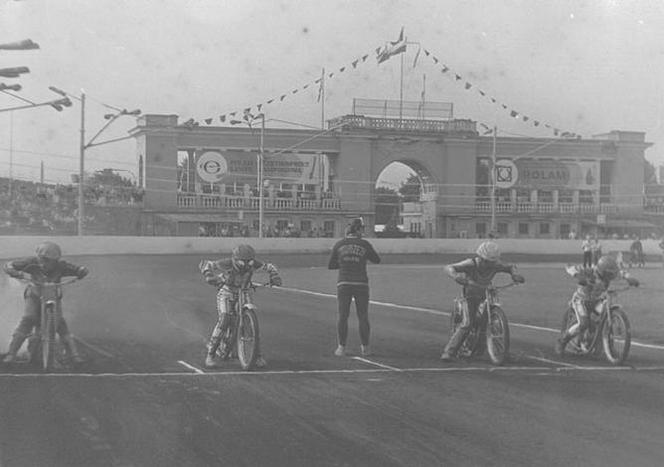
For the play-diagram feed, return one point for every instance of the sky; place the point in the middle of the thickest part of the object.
(586, 67)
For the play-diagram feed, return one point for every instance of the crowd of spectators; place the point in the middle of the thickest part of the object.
(28, 207)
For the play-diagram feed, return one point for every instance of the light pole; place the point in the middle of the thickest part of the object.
(83, 145)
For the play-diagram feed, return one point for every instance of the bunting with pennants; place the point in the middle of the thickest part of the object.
(229, 117)
(468, 86)
(383, 53)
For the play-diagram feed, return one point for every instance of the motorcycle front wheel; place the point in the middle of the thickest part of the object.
(248, 339)
(497, 336)
(616, 336)
(48, 340)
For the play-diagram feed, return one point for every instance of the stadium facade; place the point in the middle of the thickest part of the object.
(202, 180)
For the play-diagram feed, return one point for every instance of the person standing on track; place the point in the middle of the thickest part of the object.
(350, 257)
(586, 247)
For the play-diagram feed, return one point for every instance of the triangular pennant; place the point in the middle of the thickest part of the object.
(341, 70)
(303, 87)
(493, 99)
(536, 122)
(317, 80)
(481, 92)
(259, 107)
(468, 85)
(232, 114)
(283, 96)
(364, 58)
(457, 77)
(514, 113)
(330, 75)
(208, 121)
(354, 63)
(504, 106)
(525, 119)
(427, 52)
(445, 69)
(270, 101)
(435, 60)
(222, 118)
(294, 91)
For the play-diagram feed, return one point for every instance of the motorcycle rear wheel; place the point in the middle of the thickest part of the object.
(577, 345)
(248, 339)
(471, 345)
(497, 336)
(616, 337)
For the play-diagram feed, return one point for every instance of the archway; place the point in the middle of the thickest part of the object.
(404, 194)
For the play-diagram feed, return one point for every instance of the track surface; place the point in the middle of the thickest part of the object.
(143, 398)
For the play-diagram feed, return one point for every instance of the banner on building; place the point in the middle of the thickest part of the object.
(242, 167)
(543, 174)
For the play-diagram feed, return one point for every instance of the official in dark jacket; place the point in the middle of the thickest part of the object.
(350, 257)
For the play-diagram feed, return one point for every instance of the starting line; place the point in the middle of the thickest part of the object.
(382, 370)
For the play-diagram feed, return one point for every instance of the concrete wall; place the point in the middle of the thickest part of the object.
(13, 247)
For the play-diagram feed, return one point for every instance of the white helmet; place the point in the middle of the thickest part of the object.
(488, 251)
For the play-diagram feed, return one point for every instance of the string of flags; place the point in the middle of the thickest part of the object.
(248, 114)
(382, 54)
(468, 86)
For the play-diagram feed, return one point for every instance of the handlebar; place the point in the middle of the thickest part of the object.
(491, 286)
(37, 283)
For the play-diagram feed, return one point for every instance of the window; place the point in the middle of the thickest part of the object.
(282, 224)
(328, 228)
(480, 229)
(565, 229)
(256, 224)
(305, 226)
(544, 228)
(502, 229)
(523, 228)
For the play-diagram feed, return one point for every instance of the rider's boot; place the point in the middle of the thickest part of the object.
(71, 349)
(14, 346)
(210, 360)
(561, 343)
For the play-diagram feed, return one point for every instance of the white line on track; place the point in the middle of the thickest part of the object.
(488, 369)
(381, 365)
(191, 367)
(445, 313)
(554, 362)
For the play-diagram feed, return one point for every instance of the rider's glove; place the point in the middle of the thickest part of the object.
(214, 280)
(461, 280)
(518, 278)
(275, 281)
(633, 282)
(82, 272)
(17, 274)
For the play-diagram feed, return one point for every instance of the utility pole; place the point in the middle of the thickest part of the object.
(81, 169)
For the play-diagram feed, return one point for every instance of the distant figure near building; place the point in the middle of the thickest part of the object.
(586, 247)
(636, 250)
(350, 257)
(596, 250)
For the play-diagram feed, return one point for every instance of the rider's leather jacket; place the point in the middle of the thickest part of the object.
(32, 266)
(591, 285)
(224, 275)
(482, 275)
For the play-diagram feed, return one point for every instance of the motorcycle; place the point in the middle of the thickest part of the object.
(608, 330)
(240, 335)
(44, 348)
(490, 330)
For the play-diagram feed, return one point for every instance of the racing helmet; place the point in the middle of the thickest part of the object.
(48, 250)
(243, 255)
(488, 251)
(355, 227)
(607, 268)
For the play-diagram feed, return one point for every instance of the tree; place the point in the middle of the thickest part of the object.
(411, 189)
(109, 177)
(387, 202)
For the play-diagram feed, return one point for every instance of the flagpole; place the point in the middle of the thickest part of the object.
(493, 180)
(322, 100)
(401, 93)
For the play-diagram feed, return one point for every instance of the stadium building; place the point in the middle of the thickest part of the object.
(204, 180)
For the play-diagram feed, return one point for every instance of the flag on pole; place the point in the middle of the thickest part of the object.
(392, 48)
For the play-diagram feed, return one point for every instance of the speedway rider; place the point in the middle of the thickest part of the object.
(230, 275)
(46, 266)
(593, 282)
(478, 270)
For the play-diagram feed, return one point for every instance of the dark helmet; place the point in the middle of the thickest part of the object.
(244, 252)
(356, 226)
(607, 268)
(48, 250)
